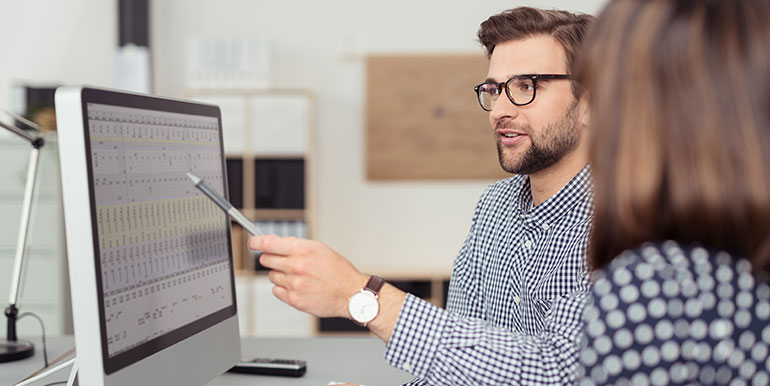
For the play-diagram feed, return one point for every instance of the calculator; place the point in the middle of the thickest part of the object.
(271, 366)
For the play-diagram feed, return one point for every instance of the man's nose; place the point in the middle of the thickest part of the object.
(503, 108)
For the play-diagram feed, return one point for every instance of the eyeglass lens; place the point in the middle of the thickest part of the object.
(520, 90)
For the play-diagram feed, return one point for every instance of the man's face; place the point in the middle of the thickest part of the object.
(532, 137)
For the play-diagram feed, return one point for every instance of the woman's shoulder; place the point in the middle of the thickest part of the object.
(674, 260)
(671, 305)
(675, 270)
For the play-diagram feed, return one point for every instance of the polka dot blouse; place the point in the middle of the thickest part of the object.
(668, 314)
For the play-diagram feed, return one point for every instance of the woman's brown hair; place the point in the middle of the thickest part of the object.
(680, 125)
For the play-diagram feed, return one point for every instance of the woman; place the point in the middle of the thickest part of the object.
(680, 98)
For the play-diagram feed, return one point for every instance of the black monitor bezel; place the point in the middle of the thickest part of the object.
(146, 349)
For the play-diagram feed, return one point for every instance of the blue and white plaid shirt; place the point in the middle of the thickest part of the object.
(516, 296)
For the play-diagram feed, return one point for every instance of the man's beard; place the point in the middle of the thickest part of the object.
(553, 143)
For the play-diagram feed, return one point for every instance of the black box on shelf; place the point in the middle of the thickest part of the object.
(419, 288)
(235, 181)
(445, 294)
(339, 325)
(35, 103)
(279, 184)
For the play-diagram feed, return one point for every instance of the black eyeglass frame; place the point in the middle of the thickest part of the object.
(533, 77)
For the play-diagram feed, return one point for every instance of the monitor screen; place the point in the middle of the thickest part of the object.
(162, 249)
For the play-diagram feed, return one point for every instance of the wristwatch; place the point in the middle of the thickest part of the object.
(363, 306)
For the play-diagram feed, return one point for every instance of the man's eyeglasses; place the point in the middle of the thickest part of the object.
(520, 89)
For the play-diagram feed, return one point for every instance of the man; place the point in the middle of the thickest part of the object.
(517, 286)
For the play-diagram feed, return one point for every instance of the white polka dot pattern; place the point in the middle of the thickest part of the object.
(667, 314)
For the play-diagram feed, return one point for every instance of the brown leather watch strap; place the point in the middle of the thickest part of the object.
(374, 284)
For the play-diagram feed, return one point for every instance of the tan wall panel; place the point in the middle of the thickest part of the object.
(423, 121)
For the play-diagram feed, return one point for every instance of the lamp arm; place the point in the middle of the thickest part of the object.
(21, 244)
(29, 137)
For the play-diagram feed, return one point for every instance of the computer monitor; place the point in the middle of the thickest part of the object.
(150, 259)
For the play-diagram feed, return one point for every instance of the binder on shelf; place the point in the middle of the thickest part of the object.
(235, 181)
(279, 184)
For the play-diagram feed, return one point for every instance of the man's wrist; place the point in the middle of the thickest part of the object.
(391, 300)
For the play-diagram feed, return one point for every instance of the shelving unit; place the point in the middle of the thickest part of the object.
(268, 140)
(264, 131)
(253, 121)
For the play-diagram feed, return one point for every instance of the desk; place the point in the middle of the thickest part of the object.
(348, 359)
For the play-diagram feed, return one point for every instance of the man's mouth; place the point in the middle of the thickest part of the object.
(509, 133)
(510, 137)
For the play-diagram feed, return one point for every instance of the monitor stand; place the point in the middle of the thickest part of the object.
(73, 378)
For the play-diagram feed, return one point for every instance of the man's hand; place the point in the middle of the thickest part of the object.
(313, 278)
(308, 275)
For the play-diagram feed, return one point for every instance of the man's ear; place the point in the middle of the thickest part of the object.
(584, 109)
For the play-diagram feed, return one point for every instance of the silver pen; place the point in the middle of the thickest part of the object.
(225, 205)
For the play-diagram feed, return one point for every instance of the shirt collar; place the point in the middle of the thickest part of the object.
(547, 213)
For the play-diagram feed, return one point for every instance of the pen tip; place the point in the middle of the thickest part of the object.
(194, 178)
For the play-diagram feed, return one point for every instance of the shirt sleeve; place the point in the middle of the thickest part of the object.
(443, 349)
(416, 382)
(463, 297)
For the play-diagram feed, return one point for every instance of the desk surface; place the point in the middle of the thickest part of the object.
(342, 359)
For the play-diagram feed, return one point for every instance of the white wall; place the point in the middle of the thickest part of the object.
(50, 42)
(383, 227)
(43, 43)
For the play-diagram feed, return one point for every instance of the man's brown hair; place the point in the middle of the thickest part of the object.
(680, 126)
(520, 23)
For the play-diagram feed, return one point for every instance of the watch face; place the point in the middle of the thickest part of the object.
(363, 307)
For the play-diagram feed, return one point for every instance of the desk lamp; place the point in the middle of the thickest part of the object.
(11, 348)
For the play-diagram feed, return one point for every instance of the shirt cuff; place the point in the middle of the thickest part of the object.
(417, 335)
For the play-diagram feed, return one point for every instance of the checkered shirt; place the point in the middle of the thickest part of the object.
(516, 296)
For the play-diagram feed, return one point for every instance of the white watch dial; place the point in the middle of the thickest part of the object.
(363, 306)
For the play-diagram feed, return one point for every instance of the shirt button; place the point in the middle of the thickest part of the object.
(516, 299)
(406, 366)
(528, 244)
(545, 226)
(523, 216)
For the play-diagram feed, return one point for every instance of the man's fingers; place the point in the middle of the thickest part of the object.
(276, 262)
(281, 294)
(277, 278)
(274, 245)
